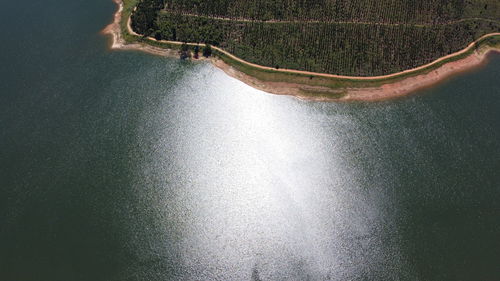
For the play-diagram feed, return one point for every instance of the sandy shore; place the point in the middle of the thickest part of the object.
(118, 42)
(386, 91)
(419, 82)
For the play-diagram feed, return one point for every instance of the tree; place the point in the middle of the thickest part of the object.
(207, 50)
(144, 17)
(165, 28)
(196, 51)
(184, 53)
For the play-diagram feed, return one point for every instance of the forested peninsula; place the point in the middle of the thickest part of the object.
(319, 49)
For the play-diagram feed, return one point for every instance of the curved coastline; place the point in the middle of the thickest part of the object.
(300, 83)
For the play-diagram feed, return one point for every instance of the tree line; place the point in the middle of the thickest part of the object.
(347, 48)
(382, 11)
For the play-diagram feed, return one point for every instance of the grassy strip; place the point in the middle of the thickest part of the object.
(128, 8)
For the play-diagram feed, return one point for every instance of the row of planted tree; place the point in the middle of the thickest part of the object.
(381, 11)
(361, 49)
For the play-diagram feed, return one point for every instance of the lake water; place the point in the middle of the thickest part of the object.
(119, 165)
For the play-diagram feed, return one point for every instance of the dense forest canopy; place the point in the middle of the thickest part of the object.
(387, 11)
(357, 37)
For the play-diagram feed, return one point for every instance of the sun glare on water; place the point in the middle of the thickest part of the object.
(254, 193)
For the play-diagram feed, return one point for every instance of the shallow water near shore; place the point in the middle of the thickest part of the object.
(119, 165)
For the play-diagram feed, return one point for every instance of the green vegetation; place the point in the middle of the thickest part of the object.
(128, 7)
(339, 83)
(380, 11)
(358, 38)
(143, 16)
(207, 50)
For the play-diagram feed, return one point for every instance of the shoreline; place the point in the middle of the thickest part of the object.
(386, 91)
(425, 76)
(118, 43)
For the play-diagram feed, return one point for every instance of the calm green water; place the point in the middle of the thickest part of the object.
(125, 166)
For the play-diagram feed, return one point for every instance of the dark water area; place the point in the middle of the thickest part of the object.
(120, 165)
